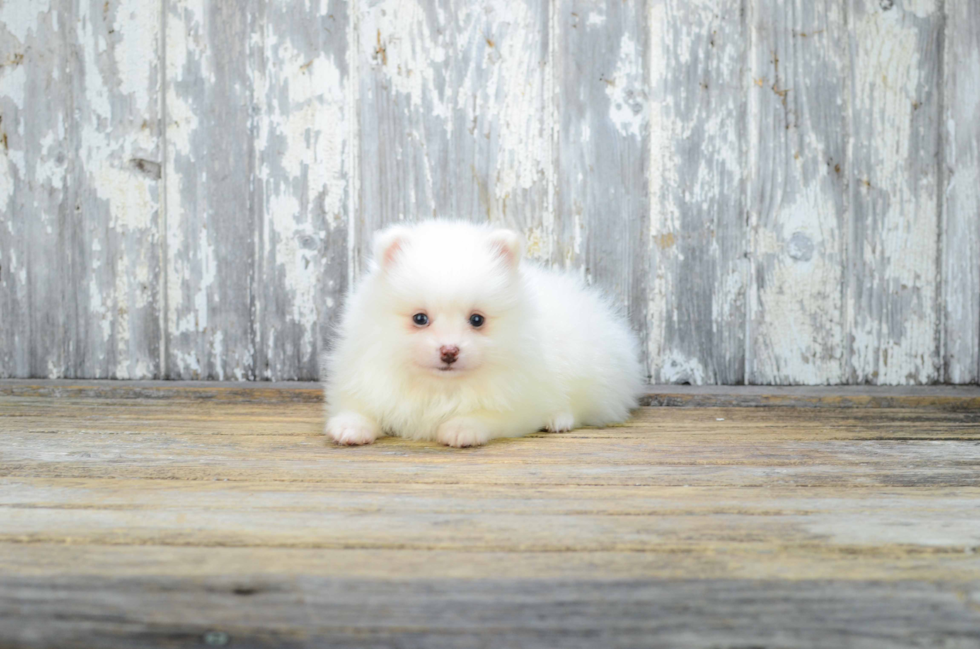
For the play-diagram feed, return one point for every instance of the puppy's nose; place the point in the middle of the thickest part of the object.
(449, 353)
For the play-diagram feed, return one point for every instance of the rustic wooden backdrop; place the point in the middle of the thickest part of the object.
(778, 191)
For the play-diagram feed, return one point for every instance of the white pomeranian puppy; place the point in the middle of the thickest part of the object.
(452, 337)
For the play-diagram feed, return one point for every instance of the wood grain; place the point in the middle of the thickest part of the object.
(155, 522)
(698, 274)
(37, 155)
(603, 149)
(797, 193)
(961, 193)
(302, 147)
(893, 320)
(211, 212)
(316, 612)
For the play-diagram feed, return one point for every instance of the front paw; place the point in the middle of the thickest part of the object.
(352, 429)
(462, 432)
(561, 423)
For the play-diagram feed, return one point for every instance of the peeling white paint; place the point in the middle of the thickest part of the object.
(921, 8)
(894, 333)
(48, 171)
(660, 221)
(135, 53)
(121, 88)
(7, 168)
(535, 245)
(55, 369)
(523, 156)
(13, 80)
(207, 274)
(627, 89)
(129, 198)
(596, 18)
(675, 367)
(218, 351)
(396, 38)
(961, 195)
(122, 317)
(191, 268)
(695, 169)
(795, 321)
(301, 143)
(97, 311)
(96, 92)
(20, 18)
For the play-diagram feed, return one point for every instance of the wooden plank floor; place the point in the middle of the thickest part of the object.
(196, 517)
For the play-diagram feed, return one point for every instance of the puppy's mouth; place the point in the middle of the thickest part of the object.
(443, 370)
(447, 369)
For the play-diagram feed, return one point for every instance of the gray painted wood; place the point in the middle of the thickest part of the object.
(603, 148)
(892, 292)
(37, 131)
(211, 213)
(797, 142)
(961, 192)
(80, 146)
(187, 187)
(301, 187)
(113, 328)
(698, 240)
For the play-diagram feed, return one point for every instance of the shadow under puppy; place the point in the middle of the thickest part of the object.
(452, 337)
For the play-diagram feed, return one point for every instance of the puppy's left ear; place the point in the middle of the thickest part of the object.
(508, 247)
(388, 245)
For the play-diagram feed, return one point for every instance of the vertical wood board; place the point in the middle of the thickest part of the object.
(961, 192)
(698, 241)
(301, 189)
(211, 214)
(603, 149)
(37, 157)
(796, 186)
(114, 224)
(892, 290)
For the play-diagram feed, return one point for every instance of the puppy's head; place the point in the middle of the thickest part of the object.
(450, 297)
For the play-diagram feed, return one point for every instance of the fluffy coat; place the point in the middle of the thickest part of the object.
(452, 336)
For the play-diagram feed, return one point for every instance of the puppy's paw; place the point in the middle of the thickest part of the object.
(352, 429)
(561, 423)
(462, 432)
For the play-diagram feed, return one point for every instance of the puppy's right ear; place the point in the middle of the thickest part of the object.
(388, 245)
(507, 247)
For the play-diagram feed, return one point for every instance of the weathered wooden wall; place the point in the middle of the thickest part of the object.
(778, 191)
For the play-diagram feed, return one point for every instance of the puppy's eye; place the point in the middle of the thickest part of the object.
(477, 320)
(420, 319)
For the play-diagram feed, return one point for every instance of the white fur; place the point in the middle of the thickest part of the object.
(552, 354)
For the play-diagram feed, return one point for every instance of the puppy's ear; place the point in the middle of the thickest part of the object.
(508, 246)
(388, 245)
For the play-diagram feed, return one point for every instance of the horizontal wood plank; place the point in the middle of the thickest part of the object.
(488, 613)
